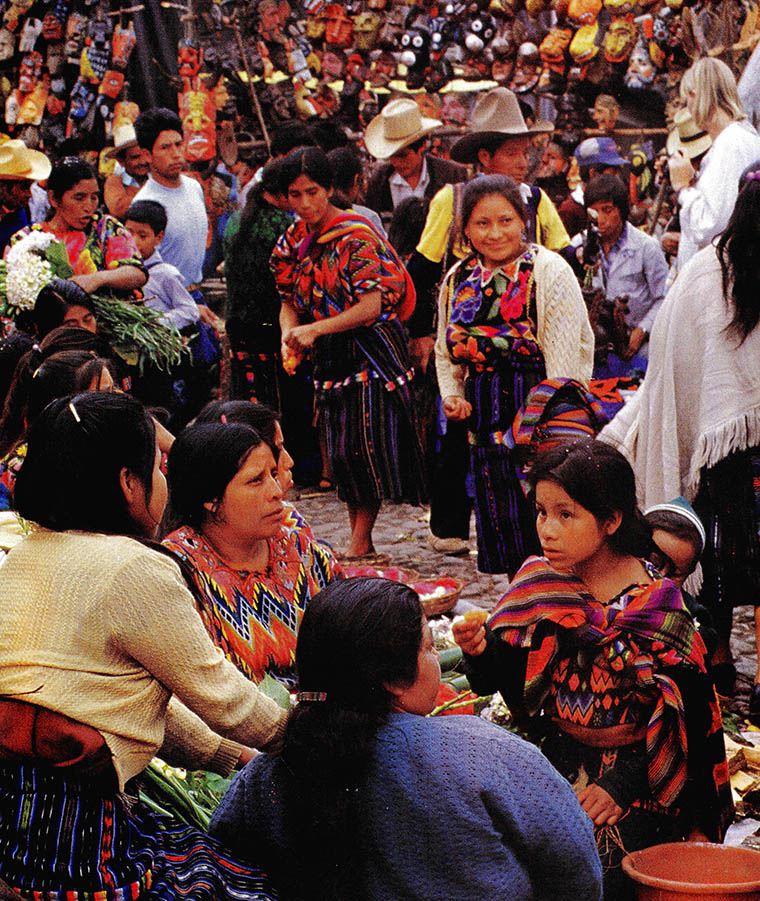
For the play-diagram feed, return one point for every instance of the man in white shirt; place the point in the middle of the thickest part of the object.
(184, 245)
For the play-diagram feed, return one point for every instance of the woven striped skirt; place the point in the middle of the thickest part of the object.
(62, 841)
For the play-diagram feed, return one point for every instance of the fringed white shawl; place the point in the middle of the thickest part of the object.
(700, 400)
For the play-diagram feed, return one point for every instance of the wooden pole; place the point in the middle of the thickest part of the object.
(251, 88)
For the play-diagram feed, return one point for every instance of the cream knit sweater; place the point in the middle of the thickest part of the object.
(104, 630)
(564, 334)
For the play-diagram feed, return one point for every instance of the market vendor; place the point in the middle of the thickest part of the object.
(20, 167)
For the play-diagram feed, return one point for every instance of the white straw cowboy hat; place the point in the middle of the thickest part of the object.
(686, 136)
(495, 115)
(399, 124)
(18, 161)
(123, 137)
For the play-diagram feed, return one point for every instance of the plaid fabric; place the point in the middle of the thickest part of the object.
(644, 630)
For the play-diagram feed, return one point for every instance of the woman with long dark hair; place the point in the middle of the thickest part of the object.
(372, 799)
(693, 429)
(344, 295)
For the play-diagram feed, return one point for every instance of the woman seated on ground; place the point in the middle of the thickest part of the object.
(103, 654)
(593, 650)
(254, 575)
(374, 800)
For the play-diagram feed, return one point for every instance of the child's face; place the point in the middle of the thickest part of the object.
(570, 535)
(677, 558)
(145, 238)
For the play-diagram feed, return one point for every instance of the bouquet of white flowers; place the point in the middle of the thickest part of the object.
(134, 330)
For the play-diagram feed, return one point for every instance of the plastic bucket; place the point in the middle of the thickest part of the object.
(683, 871)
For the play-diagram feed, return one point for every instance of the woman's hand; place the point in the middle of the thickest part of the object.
(456, 408)
(600, 805)
(681, 171)
(302, 337)
(469, 632)
(89, 283)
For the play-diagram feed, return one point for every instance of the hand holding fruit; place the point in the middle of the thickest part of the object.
(469, 632)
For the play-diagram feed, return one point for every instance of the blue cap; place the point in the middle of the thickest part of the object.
(598, 152)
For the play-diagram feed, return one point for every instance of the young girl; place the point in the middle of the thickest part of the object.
(597, 653)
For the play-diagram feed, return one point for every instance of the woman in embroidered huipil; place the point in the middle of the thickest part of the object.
(344, 293)
(509, 315)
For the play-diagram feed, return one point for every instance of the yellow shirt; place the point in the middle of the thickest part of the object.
(550, 232)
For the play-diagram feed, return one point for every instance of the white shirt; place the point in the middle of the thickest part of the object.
(401, 189)
(184, 244)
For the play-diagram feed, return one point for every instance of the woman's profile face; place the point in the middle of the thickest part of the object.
(146, 511)
(419, 697)
(80, 317)
(284, 461)
(77, 205)
(309, 200)
(495, 230)
(103, 381)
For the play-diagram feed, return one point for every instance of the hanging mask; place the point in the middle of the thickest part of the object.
(56, 104)
(554, 47)
(112, 83)
(15, 12)
(619, 7)
(315, 25)
(339, 29)
(620, 39)
(583, 47)
(32, 105)
(333, 64)
(189, 58)
(7, 44)
(125, 112)
(526, 73)
(641, 70)
(273, 14)
(479, 31)
(584, 12)
(75, 26)
(501, 70)
(82, 98)
(29, 71)
(197, 111)
(29, 34)
(366, 30)
(122, 45)
(52, 28)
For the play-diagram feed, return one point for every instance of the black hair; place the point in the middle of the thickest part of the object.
(77, 449)
(289, 136)
(739, 254)
(357, 637)
(493, 142)
(676, 524)
(309, 161)
(600, 479)
(271, 182)
(40, 378)
(328, 134)
(608, 189)
(486, 185)
(150, 124)
(407, 224)
(66, 174)
(202, 462)
(259, 417)
(148, 212)
(345, 165)
(53, 302)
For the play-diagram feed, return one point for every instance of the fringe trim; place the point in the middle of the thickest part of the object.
(715, 445)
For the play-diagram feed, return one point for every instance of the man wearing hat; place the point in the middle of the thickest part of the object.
(594, 156)
(19, 168)
(399, 136)
(498, 142)
(120, 188)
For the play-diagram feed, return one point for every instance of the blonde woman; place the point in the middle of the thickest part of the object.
(706, 198)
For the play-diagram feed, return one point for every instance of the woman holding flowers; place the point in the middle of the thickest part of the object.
(101, 252)
(509, 316)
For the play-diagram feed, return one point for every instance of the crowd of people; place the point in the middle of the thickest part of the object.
(418, 330)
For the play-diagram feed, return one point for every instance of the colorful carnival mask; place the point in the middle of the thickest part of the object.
(339, 29)
(32, 106)
(112, 83)
(75, 26)
(479, 31)
(619, 7)
(15, 12)
(29, 71)
(52, 28)
(197, 111)
(620, 39)
(583, 47)
(554, 47)
(29, 34)
(315, 25)
(273, 14)
(605, 112)
(641, 70)
(527, 66)
(584, 12)
(333, 64)
(189, 58)
(366, 30)
(7, 44)
(122, 45)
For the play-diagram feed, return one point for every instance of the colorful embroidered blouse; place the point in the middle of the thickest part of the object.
(325, 274)
(104, 244)
(492, 315)
(601, 665)
(254, 616)
(9, 468)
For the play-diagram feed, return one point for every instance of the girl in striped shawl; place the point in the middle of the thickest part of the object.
(596, 654)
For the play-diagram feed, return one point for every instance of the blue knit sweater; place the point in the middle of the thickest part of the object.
(454, 808)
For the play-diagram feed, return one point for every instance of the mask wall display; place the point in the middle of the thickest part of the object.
(620, 39)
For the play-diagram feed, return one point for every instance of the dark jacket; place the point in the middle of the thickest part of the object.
(442, 172)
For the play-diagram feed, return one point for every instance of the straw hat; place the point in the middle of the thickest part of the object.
(399, 124)
(18, 161)
(123, 137)
(495, 115)
(687, 137)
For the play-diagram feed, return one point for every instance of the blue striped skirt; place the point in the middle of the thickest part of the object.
(60, 840)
